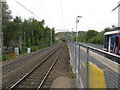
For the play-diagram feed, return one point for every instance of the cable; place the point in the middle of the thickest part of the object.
(44, 8)
(51, 20)
(27, 9)
(115, 7)
(62, 12)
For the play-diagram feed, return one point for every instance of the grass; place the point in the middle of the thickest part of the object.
(11, 56)
(8, 57)
(70, 74)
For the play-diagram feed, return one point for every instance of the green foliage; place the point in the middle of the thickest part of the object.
(7, 57)
(31, 31)
(92, 36)
(6, 13)
(24, 33)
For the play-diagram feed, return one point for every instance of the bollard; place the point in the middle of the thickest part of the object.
(17, 51)
(28, 50)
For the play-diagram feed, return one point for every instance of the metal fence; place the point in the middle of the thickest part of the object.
(95, 66)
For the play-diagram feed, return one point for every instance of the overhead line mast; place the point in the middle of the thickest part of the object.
(118, 6)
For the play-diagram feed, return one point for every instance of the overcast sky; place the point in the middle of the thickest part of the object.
(61, 14)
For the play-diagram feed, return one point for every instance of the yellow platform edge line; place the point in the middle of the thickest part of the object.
(96, 77)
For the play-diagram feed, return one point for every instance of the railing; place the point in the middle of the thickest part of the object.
(112, 56)
(91, 63)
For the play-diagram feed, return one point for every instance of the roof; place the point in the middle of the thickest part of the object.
(112, 32)
(116, 30)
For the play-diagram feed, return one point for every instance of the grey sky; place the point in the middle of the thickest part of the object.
(61, 14)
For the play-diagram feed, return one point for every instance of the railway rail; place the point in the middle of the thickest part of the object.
(37, 76)
(6, 68)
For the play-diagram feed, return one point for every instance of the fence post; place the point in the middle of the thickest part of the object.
(79, 59)
(75, 60)
(87, 68)
(79, 62)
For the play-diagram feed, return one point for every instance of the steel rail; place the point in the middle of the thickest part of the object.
(25, 76)
(40, 86)
(18, 60)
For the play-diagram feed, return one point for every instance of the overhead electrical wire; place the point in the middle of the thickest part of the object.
(116, 7)
(51, 20)
(27, 9)
(62, 12)
(44, 8)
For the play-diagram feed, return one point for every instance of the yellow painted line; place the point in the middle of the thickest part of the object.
(111, 64)
(96, 77)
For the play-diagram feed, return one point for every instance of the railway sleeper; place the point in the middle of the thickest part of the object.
(33, 80)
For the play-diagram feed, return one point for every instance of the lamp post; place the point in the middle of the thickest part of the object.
(72, 35)
(76, 58)
(77, 27)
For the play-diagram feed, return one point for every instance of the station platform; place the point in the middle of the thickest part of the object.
(110, 68)
(65, 82)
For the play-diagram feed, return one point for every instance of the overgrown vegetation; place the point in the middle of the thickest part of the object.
(23, 33)
(70, 73)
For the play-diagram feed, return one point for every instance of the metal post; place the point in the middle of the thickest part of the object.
(75, 56)
(72, 35)
(76, 30)
(51, 38)
(78, 57)
(76, 27)
(87, 76)
(79, 63)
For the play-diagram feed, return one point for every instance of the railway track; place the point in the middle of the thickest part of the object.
(21, 61)
(37, 76)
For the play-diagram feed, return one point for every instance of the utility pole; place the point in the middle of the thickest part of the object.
(118, 13)
(1, 33)
(1, 30)
(1, 40)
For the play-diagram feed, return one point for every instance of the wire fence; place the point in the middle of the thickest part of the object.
(95, 68)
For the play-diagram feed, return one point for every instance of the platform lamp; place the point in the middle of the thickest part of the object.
(77, 27)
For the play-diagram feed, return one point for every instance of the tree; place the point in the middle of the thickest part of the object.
(90, 34)
(6, 13)
(27, 33)
(6, 17)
